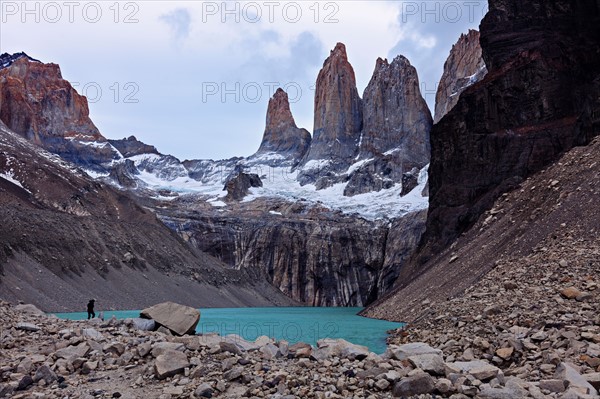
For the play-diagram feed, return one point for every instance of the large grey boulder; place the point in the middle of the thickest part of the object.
(141, 324)
(341, 348)
(29, 309)
(180, 319)
(403, 352)
(593, 379)
(479, 369)
(170, 363)
(576, 381)
(429, 362)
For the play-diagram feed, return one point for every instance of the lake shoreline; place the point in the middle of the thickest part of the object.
(292, 324)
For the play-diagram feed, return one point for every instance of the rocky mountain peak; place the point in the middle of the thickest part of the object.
(395, 115)
(464, 67)
(131, 146)
(380, 63)
(279, 113)
(7, 59)
(338, 112)
(281, 135)
(38, 104)
(338, 51)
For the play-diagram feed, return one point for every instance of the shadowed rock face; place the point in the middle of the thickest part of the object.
(338, 111)
(281, 135)
(238, 186)
(463, 68)
(313, 255)
(131, 146)
(38, 104)
(539, 99)
(395, 115)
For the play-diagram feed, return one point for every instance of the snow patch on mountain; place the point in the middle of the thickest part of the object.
(10, 176)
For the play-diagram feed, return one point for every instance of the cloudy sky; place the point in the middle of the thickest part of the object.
(194, 78)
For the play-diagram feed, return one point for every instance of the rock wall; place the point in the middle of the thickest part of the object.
(338, 112)
(395, 115)
(463, 68)
(314, 256)
(538, 100)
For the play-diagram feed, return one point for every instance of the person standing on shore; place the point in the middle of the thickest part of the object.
(90, 309)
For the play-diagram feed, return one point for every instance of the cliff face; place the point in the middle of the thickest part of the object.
(338, 112)
(395, 115)
(282, 137)
(396, 125)
(312, 255)
(463, 68)
(38, 104)
(539, 99)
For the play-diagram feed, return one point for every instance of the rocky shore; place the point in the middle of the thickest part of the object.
(45, 357)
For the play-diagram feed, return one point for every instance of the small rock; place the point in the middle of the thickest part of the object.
(505, 353)
(170, 363)
(27, 327)
(555, 386)
(382, 384)
(24, 383)
(418, 384)
(429, 362)
(570, 293)
(229, 347)
(443, 385)
(204, 390)
(161, 347)
(45, 373)
(233, 374)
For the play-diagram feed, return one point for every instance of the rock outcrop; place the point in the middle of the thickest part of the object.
(395, 115)
(38, 104)
(463, 68)
(338, 116)
(7, 59)
(538, 100)
(238, 186)
(131, 146)
(396, 125)
(282, 138)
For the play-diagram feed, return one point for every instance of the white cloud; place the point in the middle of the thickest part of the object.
(179, 20)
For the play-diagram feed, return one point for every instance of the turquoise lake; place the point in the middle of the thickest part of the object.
(302, 324)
